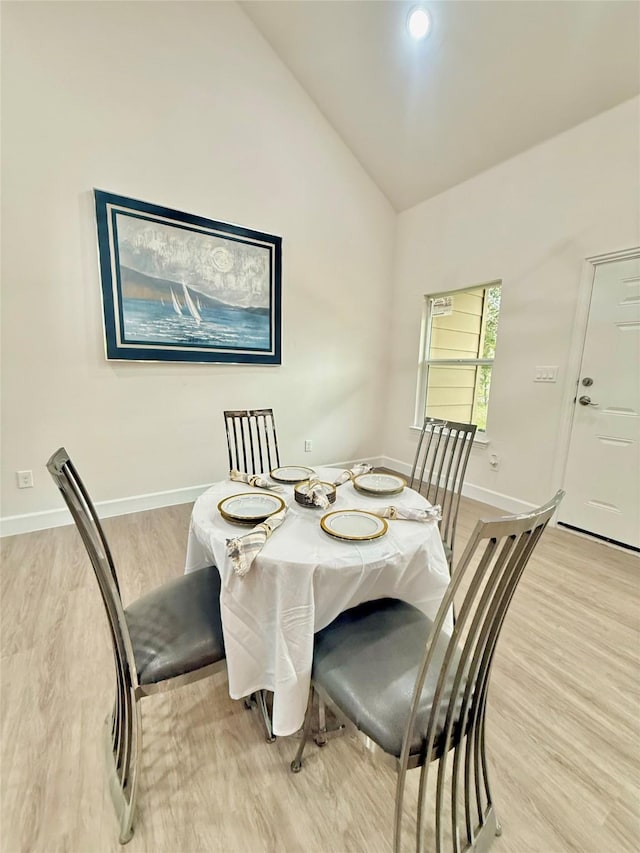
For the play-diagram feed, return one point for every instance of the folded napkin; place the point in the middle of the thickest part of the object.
(244, 549)
(253, 480)
(317, 494)
(432, 513)
(362, 468)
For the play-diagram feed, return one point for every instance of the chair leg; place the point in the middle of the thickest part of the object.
(485, 769)
(321, 737)
(324, 734)
(296, 764)
(123, 779)
(397, 812)
(261, 698)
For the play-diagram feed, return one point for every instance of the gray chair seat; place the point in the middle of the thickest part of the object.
(372, 659)
(177, 628)
(367, 661)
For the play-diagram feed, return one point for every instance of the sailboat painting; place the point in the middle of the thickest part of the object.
(179, 287)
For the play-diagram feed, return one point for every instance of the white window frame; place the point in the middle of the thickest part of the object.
(481, 437)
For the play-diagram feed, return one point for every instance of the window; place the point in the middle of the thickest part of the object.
(457, 349)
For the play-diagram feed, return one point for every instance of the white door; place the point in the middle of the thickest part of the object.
(602, 479)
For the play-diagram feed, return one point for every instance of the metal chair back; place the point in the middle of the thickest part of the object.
(439, 469)
(125, 726)
(88, 524)
(480, 591)
(163, 640)
(251, 440)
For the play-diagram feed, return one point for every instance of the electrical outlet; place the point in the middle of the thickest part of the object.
(25, 479)
(308, 445)
(494, 461)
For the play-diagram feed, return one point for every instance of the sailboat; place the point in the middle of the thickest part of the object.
(190, 304)
(176, 304)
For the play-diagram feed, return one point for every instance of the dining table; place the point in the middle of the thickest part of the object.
(303, 578)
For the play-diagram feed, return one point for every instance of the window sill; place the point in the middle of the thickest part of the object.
(478, 440)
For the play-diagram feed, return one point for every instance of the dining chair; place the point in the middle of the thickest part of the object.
(169, 637)
(416, 689)
(251, 440)
(439, 468)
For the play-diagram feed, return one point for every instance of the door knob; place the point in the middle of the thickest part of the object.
(586, 401)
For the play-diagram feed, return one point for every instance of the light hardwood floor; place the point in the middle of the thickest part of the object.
(563, 720)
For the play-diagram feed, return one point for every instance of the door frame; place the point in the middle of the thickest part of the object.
(574, 361)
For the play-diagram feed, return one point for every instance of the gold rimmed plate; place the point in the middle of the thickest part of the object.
(379, 484)
(249, 507)
(291, 474)
(353, 525)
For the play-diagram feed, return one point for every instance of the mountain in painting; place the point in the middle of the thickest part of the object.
(137, 285)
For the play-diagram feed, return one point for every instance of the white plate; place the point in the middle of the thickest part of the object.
(291, 474)
(250, 507)
(379, 484)
(353, 525)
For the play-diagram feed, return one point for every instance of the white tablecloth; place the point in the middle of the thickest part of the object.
(301, 580)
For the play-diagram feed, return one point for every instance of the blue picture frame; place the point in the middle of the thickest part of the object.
(179, 287)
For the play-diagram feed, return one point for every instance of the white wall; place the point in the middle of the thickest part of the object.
(184, 104)
(531, 221)
(181, 104)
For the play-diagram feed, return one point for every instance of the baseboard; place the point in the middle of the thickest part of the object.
(374, 461)
(476, 493)
(30, 522)
(497, 499)
(395, 465)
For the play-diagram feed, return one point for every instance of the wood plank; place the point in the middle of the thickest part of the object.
(447, 340)
(452, 376)
(563, 724)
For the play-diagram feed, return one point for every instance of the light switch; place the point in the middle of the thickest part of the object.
(546, 374)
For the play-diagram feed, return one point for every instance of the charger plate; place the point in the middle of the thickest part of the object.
(353, 525)
(291, 474)
(379, 484)
(249, 508)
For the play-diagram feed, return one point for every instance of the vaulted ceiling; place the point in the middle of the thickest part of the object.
(491, 80)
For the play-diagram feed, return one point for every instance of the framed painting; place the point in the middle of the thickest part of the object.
(178, 287)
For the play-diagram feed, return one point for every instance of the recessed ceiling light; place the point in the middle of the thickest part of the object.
(419, 23)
